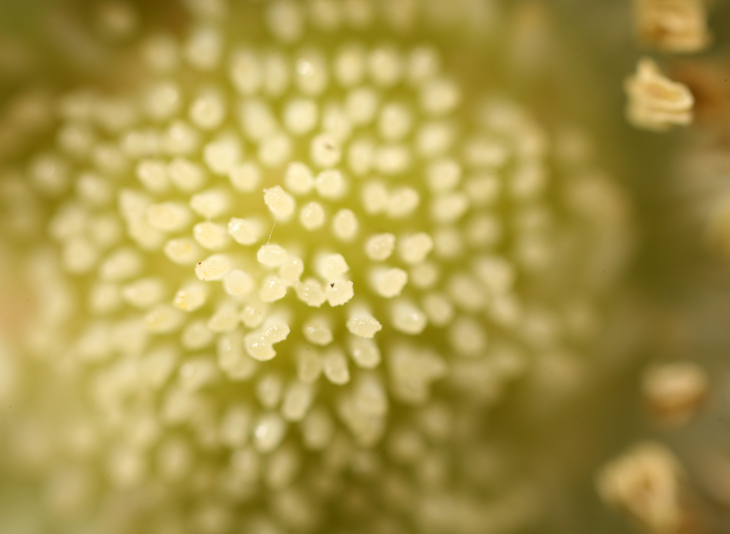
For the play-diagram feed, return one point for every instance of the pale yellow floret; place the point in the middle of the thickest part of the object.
(93, 189)
(310, 72)
(385, 66)
(244, 177)
(334, 367)
(349, 65)
(285, 20)
(163, 318)
(440, 96)
(297, 401)
(414, 249)
(394, 122)
(361, 105)
(423, 64)
(196, 373)
(196, 335)
(271, 255)
(180, 139)
(413, 371)
(186, 175)
(168, 216)
(274, 151)
(443, 175)
(317, 330)
(388, 282)
(79, 255)
(144, 292)
(163, 100)
(449, 207)
(268, 431)
(210, 235)
(104, 298)
(175, 459)
(224, 319)
(392, 159)
(312, 216)
(272, 288)
(438, 308)
(257, 119)
(326, 15)
(245, 231)
(310, 292)
(291, 270)
(235, 426)
(331, 266)
(467, 337)
(210, 204)
(363, 324)
(402, 202)
(467, 291)
(153, 175)
(269, 390)
(191, 296)
(279, 202)
(374, 197)
(76, 139)
(364, 352)
(309, 365)
(435, 138)
(232, 358)
(122, 264)
(298, 178)
(360, 156)
(344, 224)
(483, 230)
(336, 122)
(330, 184)
(448, 242)
(325, 150)
(407, 318)
(138, 144)
(203, 48)
(380, 246)
(238, 283)
(160, 53)
(300, 116)
(259, 344)
(182, 251)
(214, 267)
(339, 292)
(246, 71)
(208, 110)
(424, 275)
(223, 155)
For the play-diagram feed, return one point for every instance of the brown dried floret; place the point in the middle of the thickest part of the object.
(672, 25)
(646, 483)
(674, 391)
(656, 102)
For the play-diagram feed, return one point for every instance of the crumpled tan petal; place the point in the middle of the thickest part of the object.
(656, 102)
(678, 26)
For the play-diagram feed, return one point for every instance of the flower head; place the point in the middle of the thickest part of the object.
(279, 284)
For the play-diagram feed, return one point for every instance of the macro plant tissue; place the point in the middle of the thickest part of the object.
(364, 266)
